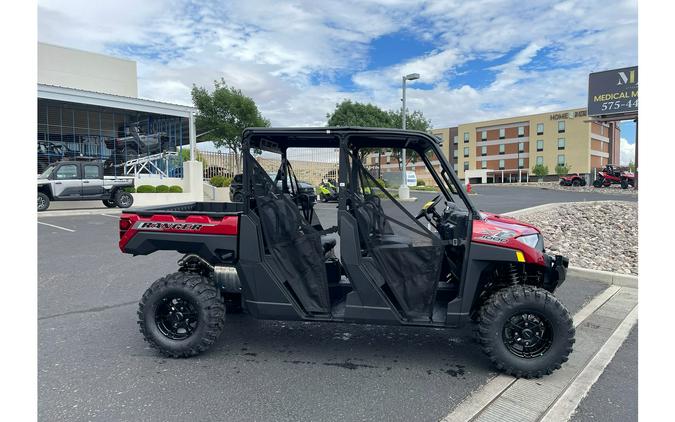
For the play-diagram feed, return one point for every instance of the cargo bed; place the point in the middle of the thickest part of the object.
(211, 209)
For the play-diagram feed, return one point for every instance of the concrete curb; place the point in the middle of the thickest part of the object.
(542, 207)
(623, 280)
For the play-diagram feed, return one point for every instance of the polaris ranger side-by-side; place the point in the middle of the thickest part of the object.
(443, 265)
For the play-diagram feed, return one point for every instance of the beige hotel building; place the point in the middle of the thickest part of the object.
(484, 151)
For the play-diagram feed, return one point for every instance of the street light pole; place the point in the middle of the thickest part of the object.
(404, 191)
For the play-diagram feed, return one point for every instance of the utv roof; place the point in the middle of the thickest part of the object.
(325, 136)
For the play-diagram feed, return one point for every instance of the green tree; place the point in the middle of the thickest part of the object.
(185, 156)
(631, 166)
(351, 113)
(562, 170)
(224, 114)
(540, 170)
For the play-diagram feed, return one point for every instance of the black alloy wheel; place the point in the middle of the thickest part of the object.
(176, 317)
(527, 335)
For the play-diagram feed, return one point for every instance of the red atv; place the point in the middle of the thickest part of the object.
(574, 179)
(611, 175)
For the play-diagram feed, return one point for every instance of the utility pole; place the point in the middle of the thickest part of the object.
(404, 191)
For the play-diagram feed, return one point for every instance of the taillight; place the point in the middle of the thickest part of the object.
(125, 224)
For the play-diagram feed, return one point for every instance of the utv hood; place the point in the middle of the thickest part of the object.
(500, 230)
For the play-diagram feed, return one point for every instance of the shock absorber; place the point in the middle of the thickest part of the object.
(510, 275)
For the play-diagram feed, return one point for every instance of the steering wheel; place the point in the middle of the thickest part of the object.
(430, 208)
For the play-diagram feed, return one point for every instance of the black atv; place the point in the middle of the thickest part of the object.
(443, 265)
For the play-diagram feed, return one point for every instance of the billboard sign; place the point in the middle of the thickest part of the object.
(613, 92)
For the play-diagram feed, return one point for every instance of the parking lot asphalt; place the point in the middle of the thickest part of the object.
(94, 365)
(614, 397)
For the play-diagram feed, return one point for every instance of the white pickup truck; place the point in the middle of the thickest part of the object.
(82, 181)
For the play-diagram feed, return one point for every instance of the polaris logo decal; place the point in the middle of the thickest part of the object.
(499, 236)
(159, 226)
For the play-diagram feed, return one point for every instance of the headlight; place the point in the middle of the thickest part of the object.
(530, 240)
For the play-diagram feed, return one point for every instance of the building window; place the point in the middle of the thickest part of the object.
(540, 160)
(466, 151)
(483, 164)
(483, 135)
(483, 151)
(540, 128)
(454, 153)
(561, 160)
(454, 139)
(502, 133)
(521, 163)
(501, 149)
(540, 145)
(466, 165)
(501, 164)
(521, 131)
(521, 146)
(561, 143)
(466, 137)
(561, 126)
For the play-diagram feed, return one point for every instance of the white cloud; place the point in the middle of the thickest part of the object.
(288, 56)
(627, 152)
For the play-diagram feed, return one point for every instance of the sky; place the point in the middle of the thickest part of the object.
(478, 60)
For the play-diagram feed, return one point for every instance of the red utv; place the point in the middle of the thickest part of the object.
(612, 175)
(440, 265)
(574, 179)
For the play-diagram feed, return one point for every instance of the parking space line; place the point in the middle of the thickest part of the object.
(111, 216)
(480, 399)
(56, 227)
(565, 406)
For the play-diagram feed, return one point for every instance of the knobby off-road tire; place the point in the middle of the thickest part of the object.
(238, 197)
(512, 302)
(109, 203)
(203, 298)
(42, 201)
(576, 182)
(597, 183)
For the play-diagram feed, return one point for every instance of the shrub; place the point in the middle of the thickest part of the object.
(175, 189)
(562, 170)
(129, 189)
(217, 181)
(540, 170)
(146, 189)
(421, 183)
(162, 189)
(220, 181)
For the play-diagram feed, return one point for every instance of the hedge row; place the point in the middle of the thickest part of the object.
(159, 189)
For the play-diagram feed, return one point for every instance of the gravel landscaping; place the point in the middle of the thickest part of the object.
(599, 235)
(611, 190)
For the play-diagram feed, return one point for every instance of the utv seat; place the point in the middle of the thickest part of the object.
(373, 226)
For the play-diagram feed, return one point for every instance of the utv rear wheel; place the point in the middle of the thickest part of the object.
(43, 201)
(123, 199)
(525, 331)
(181, 315)
(109, 203)
(597, 183)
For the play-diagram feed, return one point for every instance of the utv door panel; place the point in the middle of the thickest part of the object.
(67, 182)
(92, 180)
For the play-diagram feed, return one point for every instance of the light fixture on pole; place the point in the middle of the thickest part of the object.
(403, 191)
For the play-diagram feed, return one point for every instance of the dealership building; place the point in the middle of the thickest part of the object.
(88, 108)
(509, 148)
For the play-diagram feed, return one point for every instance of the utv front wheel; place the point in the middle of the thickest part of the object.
(181, 315)
(109, 203)
(525, 331)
